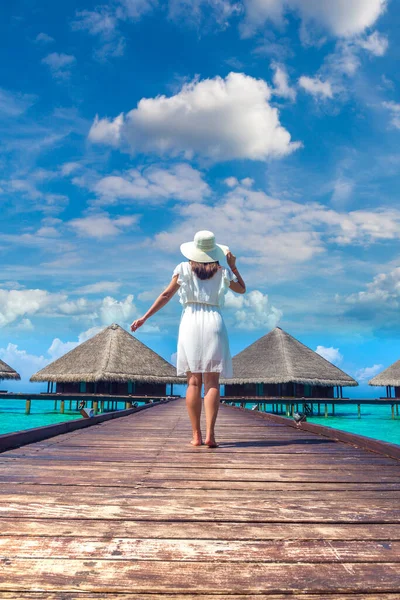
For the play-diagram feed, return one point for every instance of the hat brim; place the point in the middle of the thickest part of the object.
(190, 251)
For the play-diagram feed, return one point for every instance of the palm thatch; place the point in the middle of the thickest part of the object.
(279, 358)
(111, 355)
(390, 376)
(6, 372)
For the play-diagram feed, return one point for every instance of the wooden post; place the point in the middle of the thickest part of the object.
(397, 410)
(319, 408)
(28, 407)
(95, 407)
(55, 404)
(101, 405)
(287, 410)
(359, 411)
(333, 409)
(70, 405)
(326, 411)
(392, 411)
(62, 407)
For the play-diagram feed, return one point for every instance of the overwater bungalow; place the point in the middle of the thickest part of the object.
(279, 365)
(113, 362)
(6, 372)
(390, 378)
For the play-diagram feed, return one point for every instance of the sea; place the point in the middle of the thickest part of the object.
(375, 421)
(13, 417)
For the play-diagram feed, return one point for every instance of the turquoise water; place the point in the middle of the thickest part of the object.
(13, 417)
(375, 422)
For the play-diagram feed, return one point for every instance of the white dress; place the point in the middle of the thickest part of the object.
(203, 345)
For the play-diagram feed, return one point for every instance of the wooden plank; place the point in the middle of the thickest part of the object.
(186, 577)
(205, 550)
(63, 473)
(151, 508)
(104, 494)
(133, 596)
(280, 461)
(86, 527)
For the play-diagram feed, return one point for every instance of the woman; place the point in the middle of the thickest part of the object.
(203, 346)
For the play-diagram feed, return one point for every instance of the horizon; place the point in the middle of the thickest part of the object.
(127, 127)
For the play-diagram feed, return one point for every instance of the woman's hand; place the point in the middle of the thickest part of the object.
(231, 260)
(138, 323)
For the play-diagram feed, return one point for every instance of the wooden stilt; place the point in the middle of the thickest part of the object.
(326, 411)
(28, 407)
(62, 407)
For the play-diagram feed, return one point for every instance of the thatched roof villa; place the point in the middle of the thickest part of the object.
(111, 362)
(6, 372)
(390, 377)
(279, 365)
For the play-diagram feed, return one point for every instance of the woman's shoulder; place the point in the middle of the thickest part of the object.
(182, 268)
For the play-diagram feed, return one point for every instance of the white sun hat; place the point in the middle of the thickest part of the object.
(203, 249)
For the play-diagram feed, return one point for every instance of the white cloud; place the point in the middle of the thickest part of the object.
(231, 182)
(383, 290)
(25, 364)
(101, 226)
(104, 23)
(220, 119)
(197, 11)
(114, 311)
(43, 38)
(69, 167)
(99, 287)
(59, 348)
(341, 18)
(342, 190)
(394, 109)
(15, 304)
(316, 87)
(331, 354)
(281, 83)
(13, 104)
(25, 325)
(277, 234)
(375, 43)
(253, 310)
(180, 182)
(365, 374)
(106, 131)
(59, 64)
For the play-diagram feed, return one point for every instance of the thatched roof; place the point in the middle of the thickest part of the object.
(390, 376)
(6, 372)
(111, 355)
(279, 358)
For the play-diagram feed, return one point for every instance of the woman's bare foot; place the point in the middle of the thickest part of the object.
(211, 443)
(196, 440)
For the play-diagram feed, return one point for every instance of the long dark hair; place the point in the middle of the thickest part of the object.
(204, 270)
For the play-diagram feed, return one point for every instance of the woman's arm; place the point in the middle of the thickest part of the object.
(161, 301)
(238, 286)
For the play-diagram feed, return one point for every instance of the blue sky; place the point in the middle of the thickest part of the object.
(129, 125)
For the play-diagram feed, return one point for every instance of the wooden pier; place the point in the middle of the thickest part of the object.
(128, 509)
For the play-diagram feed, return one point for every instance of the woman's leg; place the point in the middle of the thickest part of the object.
(211, 405)
(193, 405)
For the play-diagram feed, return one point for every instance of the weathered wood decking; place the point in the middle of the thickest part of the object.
(128, 509)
